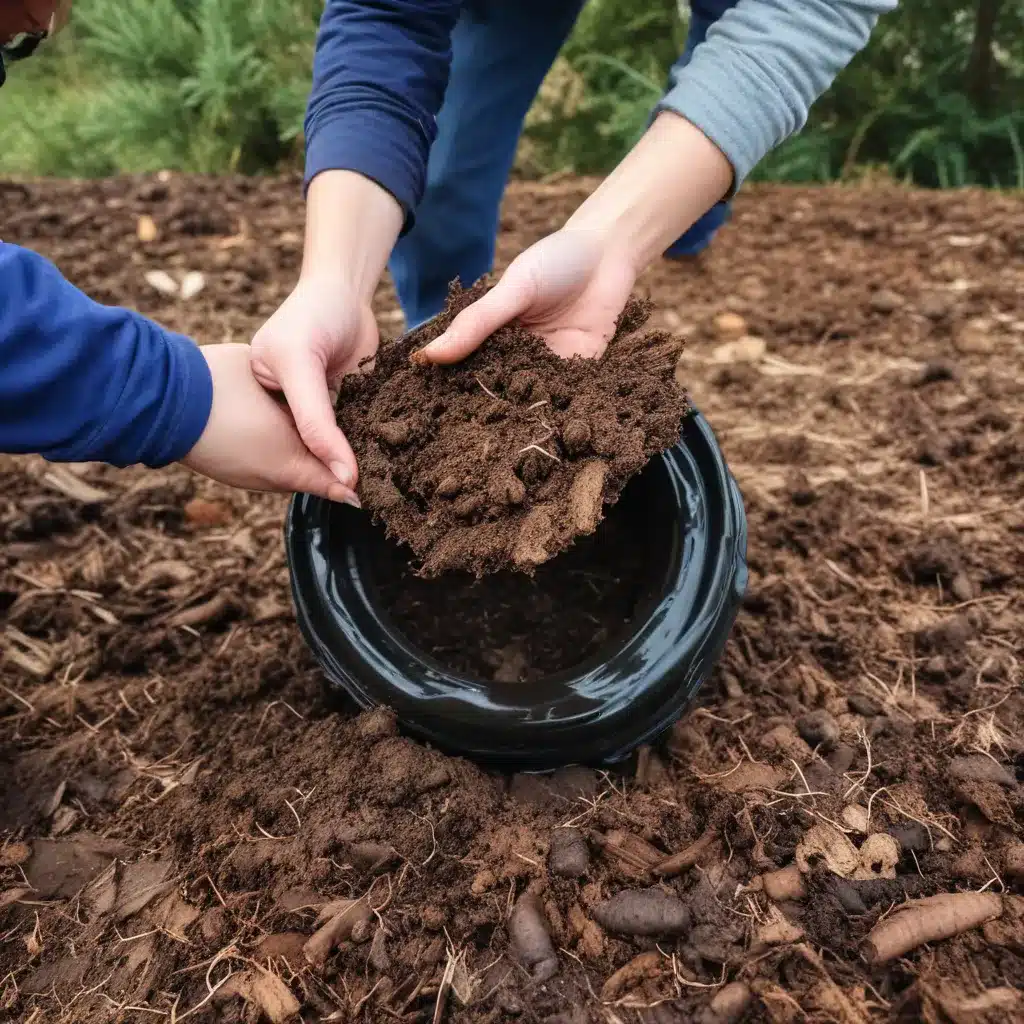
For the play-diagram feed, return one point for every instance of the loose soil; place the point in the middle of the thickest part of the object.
(511, 627)
(505, 458)
(192, 832)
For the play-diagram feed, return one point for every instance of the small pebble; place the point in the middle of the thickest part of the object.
(728, 1005)
(848, 896)
(433, 918)
(885, 301)
(730, 325)
(861, 704)
(569, 856)
(979, 768)
(376, 725)
(842, 758)
(911, 836)
(819, 729)
(961, 587)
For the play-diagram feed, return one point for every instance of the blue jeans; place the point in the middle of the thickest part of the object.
(499, 59)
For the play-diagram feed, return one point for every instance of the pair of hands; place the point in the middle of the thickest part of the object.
(272, 426)
(569, 288)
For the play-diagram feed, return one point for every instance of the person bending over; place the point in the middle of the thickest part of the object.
(411, 132)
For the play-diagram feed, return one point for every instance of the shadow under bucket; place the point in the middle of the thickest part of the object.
(504, 670)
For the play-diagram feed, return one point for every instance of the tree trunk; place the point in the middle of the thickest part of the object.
(979, 67)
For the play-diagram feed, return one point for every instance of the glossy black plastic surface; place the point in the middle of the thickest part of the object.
(599, 711)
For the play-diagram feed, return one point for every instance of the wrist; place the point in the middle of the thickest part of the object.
(194, 405)
(667, 181)
(352, 224)
(206, 362)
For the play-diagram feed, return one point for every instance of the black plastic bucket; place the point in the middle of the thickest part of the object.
(596, 713)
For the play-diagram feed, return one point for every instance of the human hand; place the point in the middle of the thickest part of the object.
(568, 288)
(571, 286)
(321, 332)
(250, 440)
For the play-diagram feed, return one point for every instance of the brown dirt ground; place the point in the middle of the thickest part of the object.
(179, 802)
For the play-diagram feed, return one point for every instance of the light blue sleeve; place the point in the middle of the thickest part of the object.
(751, 83)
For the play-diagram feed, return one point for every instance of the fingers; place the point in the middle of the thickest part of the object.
(309, 476)
(468, 331)
(264, 374)
(304, 382)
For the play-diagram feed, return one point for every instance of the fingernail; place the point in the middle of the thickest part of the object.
(343, 473)
(421, 358)
(343, 496)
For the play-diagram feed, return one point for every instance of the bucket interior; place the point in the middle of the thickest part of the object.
(509, 627)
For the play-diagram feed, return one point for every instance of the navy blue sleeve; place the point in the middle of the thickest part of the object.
(379, 76)
(81, 382)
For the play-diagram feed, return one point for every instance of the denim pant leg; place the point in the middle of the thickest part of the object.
(501, 52)
(703, 14)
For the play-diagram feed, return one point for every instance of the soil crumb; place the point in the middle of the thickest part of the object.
(504, 459)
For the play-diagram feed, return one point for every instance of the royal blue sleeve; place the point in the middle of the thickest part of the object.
(81, 382)
(379, 76)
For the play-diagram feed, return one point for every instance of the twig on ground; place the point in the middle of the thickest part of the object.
(537, 448)
(443, 988)
(295, 812)
(486, 388)
(267, 710)
(433, 837)
(867, 771)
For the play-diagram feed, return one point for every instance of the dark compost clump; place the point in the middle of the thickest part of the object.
(504, 459)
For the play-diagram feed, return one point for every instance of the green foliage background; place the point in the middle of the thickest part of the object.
(218, 85)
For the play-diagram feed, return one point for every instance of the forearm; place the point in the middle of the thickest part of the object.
(747, 88)
(666, 182)
(751, 83)
(81, 382)
(352, 224)
(379, 77)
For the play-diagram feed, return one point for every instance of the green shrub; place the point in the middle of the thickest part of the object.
(935, 96)
(197, 85)
(218, 85)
